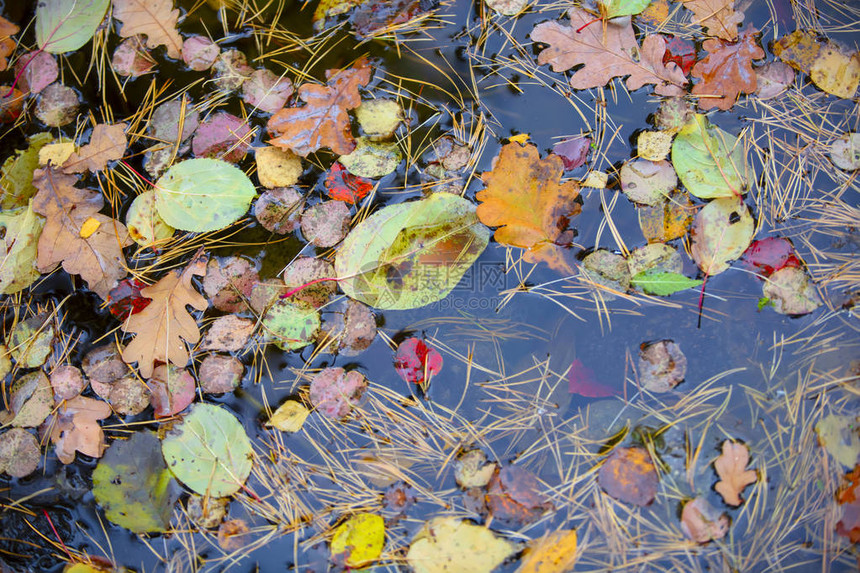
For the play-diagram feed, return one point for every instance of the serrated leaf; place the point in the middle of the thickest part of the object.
(662, 283)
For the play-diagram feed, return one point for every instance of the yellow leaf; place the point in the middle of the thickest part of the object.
(89, 227)
(520, 138)
(596, 179)
(277, 167)
(290, 417)
(654, 145)
(56, 153)
(449, 545)
(552, 553)
(360, 539)
(836, 73)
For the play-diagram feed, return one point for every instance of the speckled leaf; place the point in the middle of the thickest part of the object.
(722, 231)
(31, 340)
(19, 453)
(145, 226)
(372, 159)
(16, 175)
(710, 162)
(291, 324)
(629, 475)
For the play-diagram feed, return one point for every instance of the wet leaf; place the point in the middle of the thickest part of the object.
(727, 70)
(31, 340)
(718, 17)
(20, 238)
(209, 451)
(667, 220)
(201, 195)
(514, 497)
(721, 232)
(848, 497)
(772, 79)
(552, 553)
(222, 136)
(131, 58)
(323, 120)
(371, 16)
(710, 162)
(702, 522)
(334, 391)
(656, 257)
(769, 255)
(840, 436)
(219, 374)
(450, 545)
(276, 167)
(379, 118)
(134, 486)
(232, 535)
(145, 226)
(7, 44)
(57, 105)
(31, 400)
(372, 159)
(156, 19)
(661, 283)
(290, 324)
(67, 382)
(845, 151)
(342, 185)
(16, 175)
(629, 475)
(164, 327)
(616, 8)
(125, 299)
(305, 270)
(326, 224)
(573, 152)
(38, 70)
(104, 364)
(266, 91)
(229, 333)
(172, 388)
(199, 53)
(734, 477)
(386, 260)
(654, 145)
(680, 51)
(107, 143)
(289, 417)
(97, 257)
(526, 200)
(647, 182)
(604, 269)
(278, 210)
(128, 396)
(19, 453)
(66, 25)
(831, 68)
(231, 70)
(662, 365)
(354, 329)
(507, 7)
(74, 427)
(358, 541)
(416, 362)
(472, 469)
(581, 380)
(206, 512)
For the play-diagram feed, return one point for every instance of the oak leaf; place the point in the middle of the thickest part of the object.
(154, 18)
(730, 466)
(607, 51)
(526, 200)
(75, 428)
(727, 70)
(323, 120)
(107, 143)
(165, 325)
(717, 16)
(86, 242)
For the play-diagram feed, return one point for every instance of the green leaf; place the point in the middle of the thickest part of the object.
(144, 223)
(134, 486)
(66, 25)
(359, 540)
(201, 195)
(411, 254)
(291, 324)
(616, 8)
(372, 159)
(209, 451)
(16, 175)
(710, 162)
(662, 283)
(21, 233)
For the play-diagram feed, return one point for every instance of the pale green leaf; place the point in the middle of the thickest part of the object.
(663, 283)
(722, 231)
(616, 8)
(710, 162)
(66, 25)
(291, 324)
(21, 233)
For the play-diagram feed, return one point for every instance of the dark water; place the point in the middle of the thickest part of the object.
(503, 337)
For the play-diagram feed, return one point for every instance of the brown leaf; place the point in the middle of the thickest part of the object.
(849, 497)
(163, 327)
(514, 496)
(526, 200)
(75, 427)
(718, 16)
(608, 51)
(107, 143)
(727, 70)
(323, 121)
(154, 18)
(702, 522)
(629, 475)
(86, 242)
(734, 477)
(7, 44)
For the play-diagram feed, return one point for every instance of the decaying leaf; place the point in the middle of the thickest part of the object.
(228, 333)
(334, 391)
(727, 70)
(662, 365)
(156, 19)
(416, 362)
(840, 436)
(718, 17)
(323, 120)
(449, 545)
(629, 475)
(829, 66)
(473, 470)
(164, 327)
(19, 452)
(172, 389)
(845, 151)
(514, 496)
(734, 477)
(107, 143)
(791, 291)
(7, 44)
(722, 231)
(848, 497)
(525, 199)
(75, 428)
(702, 522)
(552, 553)
(31, 400)
(219, 374)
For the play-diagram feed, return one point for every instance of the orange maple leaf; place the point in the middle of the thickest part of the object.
(734, 477)
(107, 143)
(525, 199)
(323, 121)
(165, 325)
(727, 70)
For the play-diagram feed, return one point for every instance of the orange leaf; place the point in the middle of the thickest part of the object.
(7, 44)
(525, 198)
(718, 16)
(165, 325)
(75, 428)
(734, 477)
(727, 70)
(629, 475)
(107, 143)
(154, 18)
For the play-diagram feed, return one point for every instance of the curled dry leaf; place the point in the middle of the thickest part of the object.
(727, 70)
(702, 522)
(734, 477)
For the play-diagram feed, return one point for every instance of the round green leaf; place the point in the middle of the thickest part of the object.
(411, 254)
(721, 232)
(291, 324)
(209, 451)
(710, 162)
(134, 486)
(66, 25)
(203, 195)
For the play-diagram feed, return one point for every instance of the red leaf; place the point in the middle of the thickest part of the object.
(681, 52)
(581, 380)
(342, 185)
(573, 151)
(769, 255)
(125, 299)
(416, 362)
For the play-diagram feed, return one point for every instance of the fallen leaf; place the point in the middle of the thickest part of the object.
(358, 541)
(145, 226)
(654, 145)
(222, 136)
(7, 44)
(662, 283)
(710, 162)
(164, 327)
(617, 8)
(107, 143)
(831, 68)
(199, 53)
(97, 258)
(702, 522)
(290, 324)
(531, 207)
(276, 167)
(514, 497)
(66, 25)
(655, 257)
(606, 271)
(662, 365)
(667, 220)
(38, 70)
(278, 210)
(647, 182)
(334, 391)
(131, 58)
(323, 120)
(379, 118)
(231, 70)
(607, 51)
(718, 17)
(848, 497)
(67, 382)
(845, 151)
(228, 334)
(415, 362)
(734, 477)
(682, 52)
(629, 475)
(573, 151)
(372, 159)
(326, 224)
(266, 91)
(156, 19)
(840, 436)
(16, 174)
(19, 243)
(289, 417)
(232, 535)
(342, 185)
(727, 70)
(721, 232)
(172, 390)
(125, 299)
(772, 79)
(31, 400)
(552, 553)
(450, 545)
(766, 256)
(507, 7)
(302, 272)
(19, 453)
(581, 380)
(75, 428)
(57, 105)
(371, 16)
(104, 365)
(205, 511)
(219, 374)
(471, 469)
